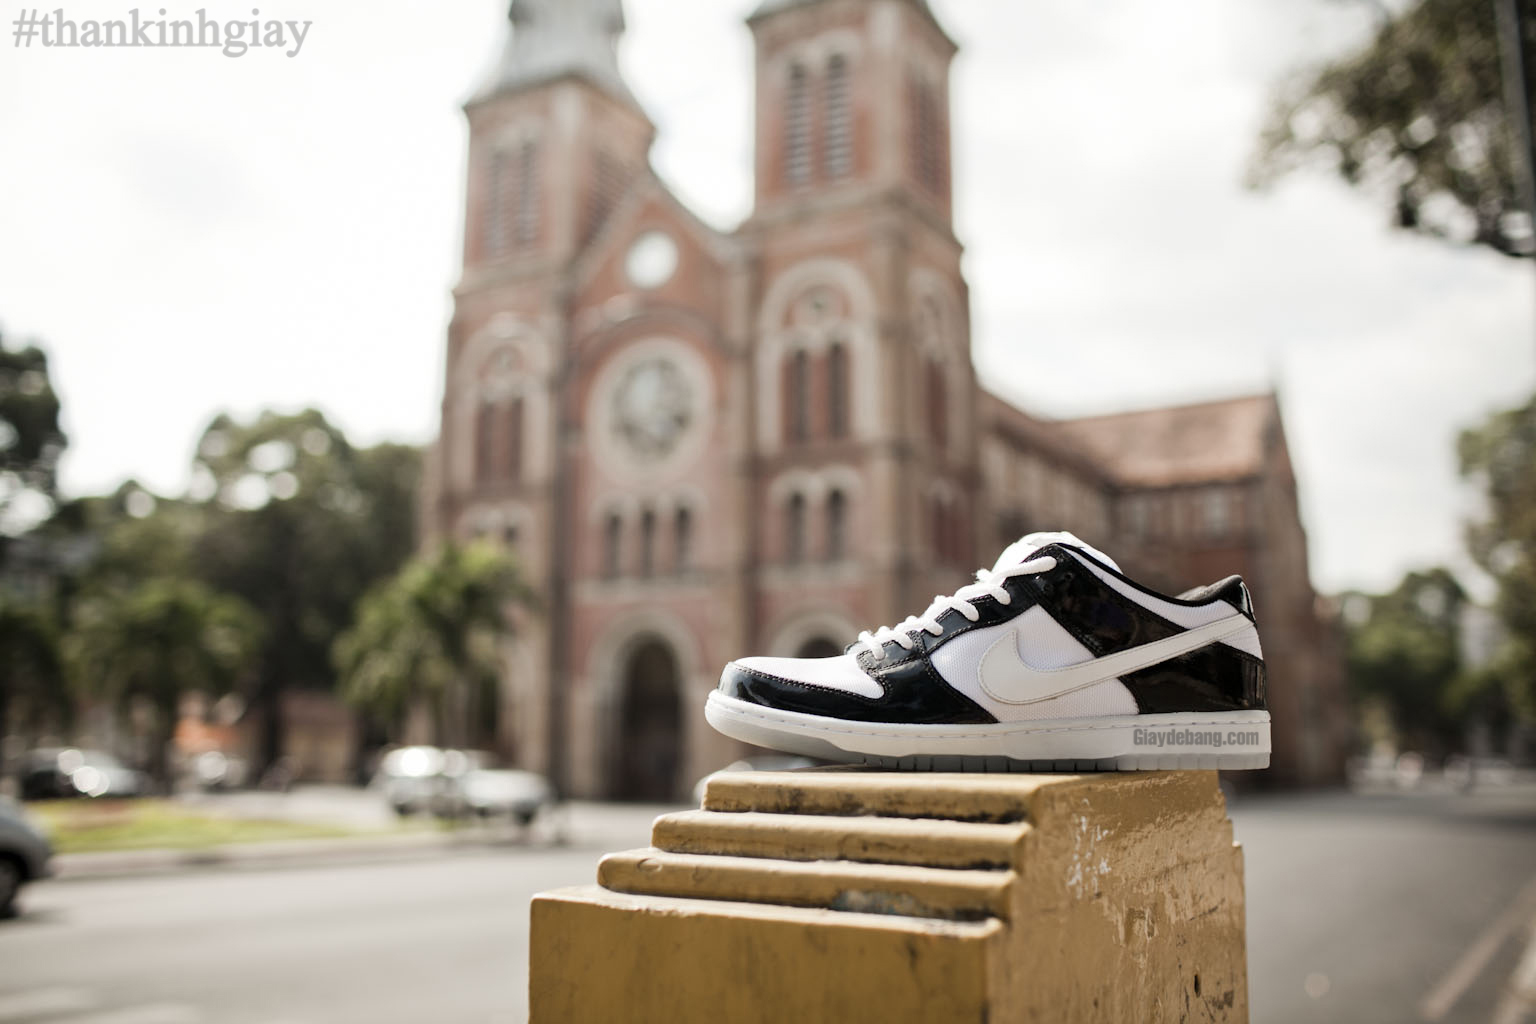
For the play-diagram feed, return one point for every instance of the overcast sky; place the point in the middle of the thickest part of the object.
(187, 232)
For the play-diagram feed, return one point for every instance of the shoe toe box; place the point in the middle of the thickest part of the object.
(811, 685)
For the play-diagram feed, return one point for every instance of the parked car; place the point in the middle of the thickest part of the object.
(24, 854)
(495, 793)
(53, 773)
(415, 779)
(409, 777)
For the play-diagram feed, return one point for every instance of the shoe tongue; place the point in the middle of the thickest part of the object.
(1021, 549)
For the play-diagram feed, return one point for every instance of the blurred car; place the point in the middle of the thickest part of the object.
(1465, 773)
(495, 793)
(420, 778)
(24, 853)
(409, 778)
(214, 770)
(760, 763)
(53, 773)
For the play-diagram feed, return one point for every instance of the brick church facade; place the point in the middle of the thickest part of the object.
(704, 444)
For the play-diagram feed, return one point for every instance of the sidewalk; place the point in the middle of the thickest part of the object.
(577, 826)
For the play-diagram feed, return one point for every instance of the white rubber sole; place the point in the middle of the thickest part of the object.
(1228, 740)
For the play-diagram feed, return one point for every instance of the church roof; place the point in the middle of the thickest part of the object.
(1186, 444)
(551, 38)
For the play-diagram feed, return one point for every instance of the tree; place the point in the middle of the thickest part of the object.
(31, 672)
(431, 635)
(1500, 455)
(1417, 113)
(300, 524)
(30, 439)
(156, 642)
(1402, 656)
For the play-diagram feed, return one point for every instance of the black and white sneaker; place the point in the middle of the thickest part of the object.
(1052, 659)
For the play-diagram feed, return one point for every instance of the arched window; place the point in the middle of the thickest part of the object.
(818, 647)
(938, 405)
(497, 181)
(682, 540)
(797, 128)
(514, 439)
(794, 529)
(527, 222)
(610, 180)
(837, 120)
(613, 535)
(485, 440)
(647, 542)
(799, 394)
(927, 136)
(837, 390)
(837, 526)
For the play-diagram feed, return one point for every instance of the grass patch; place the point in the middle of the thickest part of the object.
(93, 826)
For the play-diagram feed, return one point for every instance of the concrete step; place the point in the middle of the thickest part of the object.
(906, 890)
(957, 796)
(923, 842)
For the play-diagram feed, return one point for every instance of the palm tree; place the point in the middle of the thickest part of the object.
(157, 641)
(432, 634)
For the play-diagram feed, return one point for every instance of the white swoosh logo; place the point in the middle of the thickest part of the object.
(1006, 678)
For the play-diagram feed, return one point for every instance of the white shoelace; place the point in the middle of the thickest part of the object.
(989, 583)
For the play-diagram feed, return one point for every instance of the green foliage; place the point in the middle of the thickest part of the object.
(32, 681)
(1418, 114)
(431, 635)
(155, 642)
(30, 439)
(300, 524)
(1501, 457)
(1402, 654)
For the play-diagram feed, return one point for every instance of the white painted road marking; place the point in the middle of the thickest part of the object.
(1439, 1000)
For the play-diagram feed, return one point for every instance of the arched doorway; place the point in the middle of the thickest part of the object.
(648, 731)
(819, 647)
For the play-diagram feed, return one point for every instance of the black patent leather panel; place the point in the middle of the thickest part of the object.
(914, 694)
(1214, 678)
(1102, 619)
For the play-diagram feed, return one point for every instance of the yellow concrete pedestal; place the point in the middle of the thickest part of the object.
(849, 895)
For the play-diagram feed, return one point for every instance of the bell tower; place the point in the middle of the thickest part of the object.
(556, 137)
(863, 352)
(852, 97)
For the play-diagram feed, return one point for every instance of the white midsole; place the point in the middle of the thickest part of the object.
(1183, 733)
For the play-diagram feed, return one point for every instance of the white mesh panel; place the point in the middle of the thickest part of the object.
(841, 672)
(1043, 644)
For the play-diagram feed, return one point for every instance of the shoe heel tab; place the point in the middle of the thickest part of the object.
(1231, 590)
(1235, 592)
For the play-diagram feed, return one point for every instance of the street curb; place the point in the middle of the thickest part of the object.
(277, 853)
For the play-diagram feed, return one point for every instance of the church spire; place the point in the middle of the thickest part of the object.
(551, 38)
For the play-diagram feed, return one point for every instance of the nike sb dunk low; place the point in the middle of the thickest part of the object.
(1051, 660)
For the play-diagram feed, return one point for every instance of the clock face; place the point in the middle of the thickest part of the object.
(653, 406)
(651, 260)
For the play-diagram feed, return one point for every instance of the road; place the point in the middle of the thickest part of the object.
(1358, 909)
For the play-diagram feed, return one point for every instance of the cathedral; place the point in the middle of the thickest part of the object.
(703, 444)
